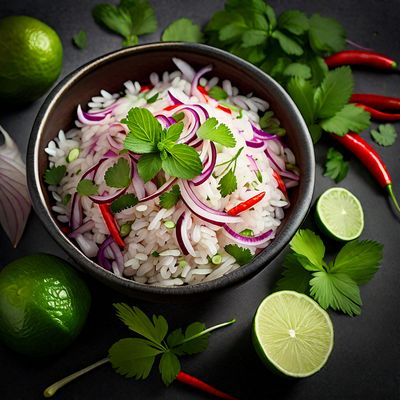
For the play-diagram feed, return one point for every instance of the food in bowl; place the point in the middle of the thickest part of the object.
(173, 182)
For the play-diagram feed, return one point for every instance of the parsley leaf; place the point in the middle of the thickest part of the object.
(182, 30)
(219, 134)
(123, 202)
(118, 175)
(87, 188)
(54, 175)
(335, 166)
(385, 135)
(217, 93)
(80, 40)
(149, 166)
(169, 199)
(169, 367)
(241, 255)
(228, 183)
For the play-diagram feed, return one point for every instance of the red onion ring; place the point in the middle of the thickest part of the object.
(208, 167)
(257, 240)
(86, 227)
(193, 87)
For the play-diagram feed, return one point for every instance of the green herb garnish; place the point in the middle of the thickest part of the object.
(86, 187)
(125, 229)
(334, 284)
(54, 175)
(182, 30)
(247, 232)
(155, 254)
(80, 40)
(152, 99)
(217, 93)
(118, 175)
(66, 199)
(216, 259)
(241, 255)
(73, 154)
(218, 133)
(385, 135)
(123, 202)
(169, 224)
(169, 199)
(228, 183)
(335, 166)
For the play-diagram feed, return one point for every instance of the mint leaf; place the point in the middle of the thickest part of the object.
(287, 44)
(169, 199)
(137, 321)
(349, 118)
(217, 93)
(299, 70)
(302, 94)
(335, 166)
(359, 260)
(334, 92)
(54, 175)
(182, 30)
(174, 131)
(326, 35)
(385, 135)
(294, 276)
(148, 166)
(241, 255)
(169, 367)
(118, 175)
(123, 202)
(336, 290)
(182, 162)
(87, 188)
(219, 134)
(227, 184)
(293, 21)
(80, 40)
(133, 357)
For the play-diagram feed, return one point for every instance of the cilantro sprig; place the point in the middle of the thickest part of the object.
(183, 30)
(334, 284)
(241, 255)
(159, 148)
(53, 175)
(124, 202)
(86, 187)
(169, 199)
(385, 135)
(335, 166)
(218, 133)
(228, 182)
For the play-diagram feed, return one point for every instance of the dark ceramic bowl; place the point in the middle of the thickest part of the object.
(136, 63)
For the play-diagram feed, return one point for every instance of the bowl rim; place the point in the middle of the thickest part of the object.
(144, 290)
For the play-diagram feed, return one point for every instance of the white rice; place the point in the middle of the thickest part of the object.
(152, 254)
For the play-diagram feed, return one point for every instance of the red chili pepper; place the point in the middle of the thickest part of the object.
(281, 184)
(377, 101)
(111, 224)
(205, 387)
(379, 115)
(202, 90)
(360, 57)
(226, 109)
(169, 108)
(371, 160)
(146, 88)
(245, 205)
(65, 229)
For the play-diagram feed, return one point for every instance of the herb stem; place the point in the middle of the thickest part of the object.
(51, 390)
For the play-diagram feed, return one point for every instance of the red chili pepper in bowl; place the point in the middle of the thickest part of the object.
(245, 205)
(281, 184)
(370, 159)
(379, 115)
(111, 224)
(376, 101)
(225, 109)
(360, 57)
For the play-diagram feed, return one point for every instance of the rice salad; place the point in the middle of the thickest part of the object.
(172, 182)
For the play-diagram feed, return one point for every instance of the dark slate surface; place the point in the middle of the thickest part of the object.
(365, 362)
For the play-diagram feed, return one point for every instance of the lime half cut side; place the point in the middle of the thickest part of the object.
(292, 333)
(339, 214)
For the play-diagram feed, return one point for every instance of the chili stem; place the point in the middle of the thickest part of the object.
(389, 189)
(51, 390)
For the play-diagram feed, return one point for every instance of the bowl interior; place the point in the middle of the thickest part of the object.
(110, 72)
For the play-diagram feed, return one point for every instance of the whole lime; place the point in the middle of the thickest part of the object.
(43, 304)
(30, 59)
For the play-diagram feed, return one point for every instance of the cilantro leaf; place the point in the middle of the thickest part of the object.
(182, 162)
(118, 175)
(174, 131)
(334, 92)
(54, 175)
(335, 166)
(254, 37)
(182, 30)
(149, 166)
(152, 99)
(336, 290)
(326, 35)
(349, 118)
(142, 16)
(113, 18)
(80, 40)
(137, 321)
(298, 69)
(219, 134)
(359, 260)
(271, 124)
(217, 93)
(123, 202)
(133, 357)
(302, 94)
(191, 342)
(318, 67)
(310, 246)
(287, 44)
(169, 199)
(169, 367)
(228, 183)
(385, 135)
(144, 131)
(241, 255)
(87, 188)
(293, 21)
(294, 276)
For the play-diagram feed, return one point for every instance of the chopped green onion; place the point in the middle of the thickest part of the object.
(73, 154)
(66, 199)
(169, 224)
(155, 254)
(217, 259)
(259, 176)
(125, 229)
(182, 263)
(240, 114)
(247, 232)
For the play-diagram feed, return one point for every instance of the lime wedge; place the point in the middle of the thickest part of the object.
(339, 214)
(292, 334)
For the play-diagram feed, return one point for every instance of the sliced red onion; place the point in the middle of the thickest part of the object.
(89, 247)
(256, 241)
(182, 234)
(289, 175)
(193, 87)
(202, 210)
(276, 162)
(107, 198)
(256, 144)
(262, 134)
(187, 71)
(160, 190)
(114, 144)
(291, 183)
(174, 99)
(253, 164)
(118, 267)
(164, 120)
(75, 220)
(190, 133)
(138, 184)
(208, 167)
(15, 204)
(86, 227)
(101, 255)
(89, 119)
(204, 111)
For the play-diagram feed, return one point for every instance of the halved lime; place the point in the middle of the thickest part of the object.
(339, 214)
(292, 333)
